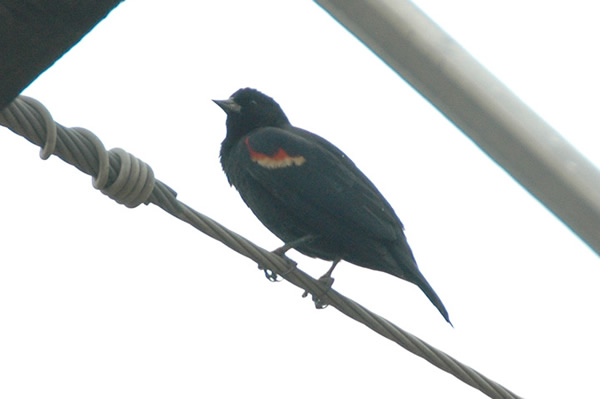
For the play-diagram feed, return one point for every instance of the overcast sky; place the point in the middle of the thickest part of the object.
(97, 300)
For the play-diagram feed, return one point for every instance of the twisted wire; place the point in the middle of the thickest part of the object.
(131, 182)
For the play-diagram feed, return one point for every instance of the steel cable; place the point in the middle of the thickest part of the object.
(131, 182)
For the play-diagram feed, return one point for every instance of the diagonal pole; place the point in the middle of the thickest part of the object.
(530, 150)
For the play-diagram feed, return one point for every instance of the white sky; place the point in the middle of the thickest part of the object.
(98, 301)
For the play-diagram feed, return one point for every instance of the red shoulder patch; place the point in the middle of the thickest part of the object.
(279, 159)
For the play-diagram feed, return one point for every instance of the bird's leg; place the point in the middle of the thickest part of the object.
(271, 275)
(293, 244)
(326, 278)
(326, 281)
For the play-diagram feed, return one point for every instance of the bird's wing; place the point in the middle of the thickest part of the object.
(316, 181)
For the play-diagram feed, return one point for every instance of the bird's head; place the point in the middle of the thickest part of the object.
(249, 109)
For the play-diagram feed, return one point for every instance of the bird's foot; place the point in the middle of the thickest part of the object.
(325, 282)
(270, 274)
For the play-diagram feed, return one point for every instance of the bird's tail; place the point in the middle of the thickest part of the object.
(410, 272)
(433, 297)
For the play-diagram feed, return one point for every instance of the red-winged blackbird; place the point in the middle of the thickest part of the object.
(310, 194)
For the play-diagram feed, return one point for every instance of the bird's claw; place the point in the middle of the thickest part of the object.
(270, 274)
(325, 282)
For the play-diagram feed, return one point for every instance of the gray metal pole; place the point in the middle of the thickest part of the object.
(482, 107)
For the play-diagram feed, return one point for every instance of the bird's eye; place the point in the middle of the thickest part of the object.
(253, 103)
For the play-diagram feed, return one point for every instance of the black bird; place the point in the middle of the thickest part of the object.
(310, 194)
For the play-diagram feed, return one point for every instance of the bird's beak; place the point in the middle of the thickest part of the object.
(229, 106)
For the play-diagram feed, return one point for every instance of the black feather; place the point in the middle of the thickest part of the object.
(299, 184)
